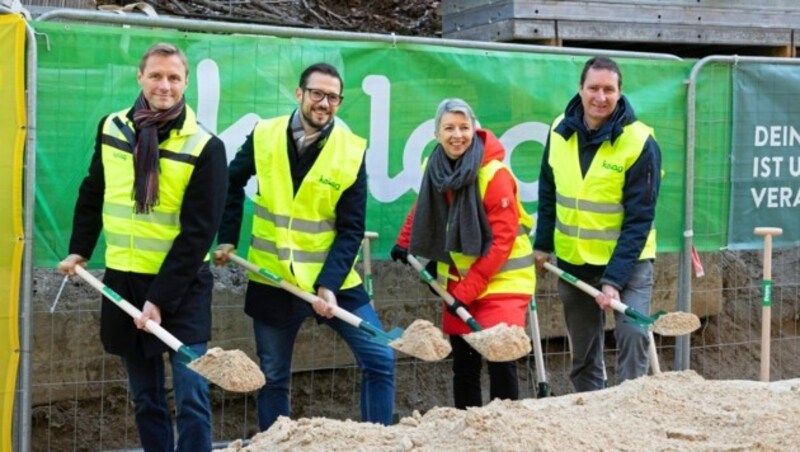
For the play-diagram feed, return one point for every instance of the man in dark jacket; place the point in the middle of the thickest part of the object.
(308, 223)
(156, 187)
(598, 187)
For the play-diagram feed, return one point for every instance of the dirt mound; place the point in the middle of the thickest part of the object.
(671, 411)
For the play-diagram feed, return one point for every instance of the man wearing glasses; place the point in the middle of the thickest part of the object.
(308, 223)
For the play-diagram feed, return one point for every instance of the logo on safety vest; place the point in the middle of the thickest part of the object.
(120, 156)
(613, 167)
(326, 181)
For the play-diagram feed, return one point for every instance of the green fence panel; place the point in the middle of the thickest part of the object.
(765, 154)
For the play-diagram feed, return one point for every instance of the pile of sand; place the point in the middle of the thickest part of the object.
(670, 411)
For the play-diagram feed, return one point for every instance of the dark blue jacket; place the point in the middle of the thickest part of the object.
(271, 304)
(639, 194)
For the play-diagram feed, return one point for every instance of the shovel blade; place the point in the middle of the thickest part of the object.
(186, 354)
(394, 333)
(379, 336)
(658, 314)
(384, 337)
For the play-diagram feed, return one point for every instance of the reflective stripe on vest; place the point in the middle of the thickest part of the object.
(292, 233)
(518, 273)
(589, 210)
(140, 242)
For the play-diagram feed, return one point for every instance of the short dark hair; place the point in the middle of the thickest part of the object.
(323, 68)
(602, 63)
(164, 49)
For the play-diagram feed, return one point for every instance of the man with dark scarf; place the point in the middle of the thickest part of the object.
(469, 222)
(156, 188)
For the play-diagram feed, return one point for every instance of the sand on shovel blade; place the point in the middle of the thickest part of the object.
(231, 370)
(676, 324)
(500, 343)
(422, 340)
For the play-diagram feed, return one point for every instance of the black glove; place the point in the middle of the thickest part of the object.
(399, 253)
(451, 308)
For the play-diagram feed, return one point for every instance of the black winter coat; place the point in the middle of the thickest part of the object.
(182, 288)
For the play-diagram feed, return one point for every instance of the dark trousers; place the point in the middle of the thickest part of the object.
(153, 416)
(503, 383)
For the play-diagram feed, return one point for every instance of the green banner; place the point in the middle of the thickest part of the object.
(391, 95)
(765, 174)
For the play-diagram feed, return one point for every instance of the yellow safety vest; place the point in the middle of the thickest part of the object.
(518, 274)
(589, 209)
(292, 234)
(140, 242)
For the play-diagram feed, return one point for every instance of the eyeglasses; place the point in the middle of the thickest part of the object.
(317, 95)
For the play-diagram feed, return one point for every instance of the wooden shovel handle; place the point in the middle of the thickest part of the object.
(366, 252)
(463, 314)
(126, 306)
(338, 312)
(590, 290)
(766, 301)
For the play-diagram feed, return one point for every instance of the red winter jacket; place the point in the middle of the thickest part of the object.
(500, 204)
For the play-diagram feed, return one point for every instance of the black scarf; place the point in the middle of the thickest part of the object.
(145, 150)
(463, 226)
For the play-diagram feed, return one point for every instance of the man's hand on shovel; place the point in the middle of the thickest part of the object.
(539, 258)
(149, 312)
(326, 301)
(222, 253)
(603, 299)
(67, 266)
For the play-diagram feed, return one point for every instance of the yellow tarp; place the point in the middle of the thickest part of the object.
(12, 140)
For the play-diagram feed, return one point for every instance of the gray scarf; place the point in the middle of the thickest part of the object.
(463, 226)
(302, 140)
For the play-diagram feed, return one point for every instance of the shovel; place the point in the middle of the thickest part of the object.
(538, 357)
(232, 370)
(766, 297)
(638, 318)
(391, 338)
(672, 324)
(498, 343)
